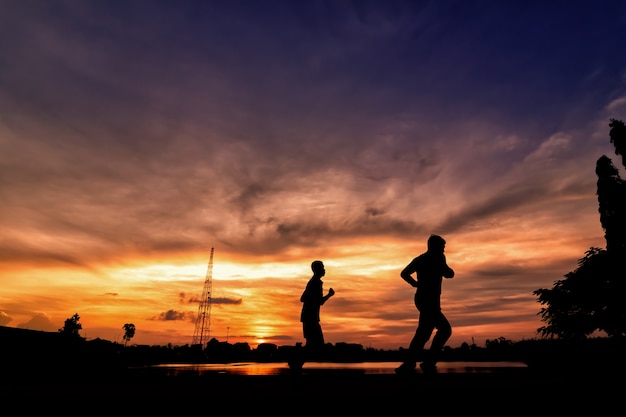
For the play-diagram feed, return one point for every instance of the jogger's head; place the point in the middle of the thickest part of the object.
(436, 243)
(318, 268)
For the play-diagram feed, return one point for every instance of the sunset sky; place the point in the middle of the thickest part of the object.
(137, 135)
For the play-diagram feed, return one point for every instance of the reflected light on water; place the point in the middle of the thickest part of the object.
(279, 368)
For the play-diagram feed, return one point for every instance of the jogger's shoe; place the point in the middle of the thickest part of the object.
(295, 364)
(406, 368)
(428, 367)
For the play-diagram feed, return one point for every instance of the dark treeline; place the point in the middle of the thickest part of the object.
(40, 346)
(28, 352)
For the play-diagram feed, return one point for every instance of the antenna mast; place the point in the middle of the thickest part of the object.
(203, 320)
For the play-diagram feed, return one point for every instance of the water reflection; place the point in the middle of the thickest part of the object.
(280, 368)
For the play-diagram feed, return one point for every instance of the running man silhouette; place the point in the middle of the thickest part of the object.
(312, 299)
(429, 268)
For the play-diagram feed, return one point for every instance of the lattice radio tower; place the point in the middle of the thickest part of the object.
(203, 320)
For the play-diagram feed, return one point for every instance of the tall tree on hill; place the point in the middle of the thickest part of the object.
(591, 298)
(72, 326)
(129, 332)
(612, 194)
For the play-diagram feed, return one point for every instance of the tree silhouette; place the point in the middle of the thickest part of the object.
(129, 332)
(618, 138)
(591, 298)
(72, 326)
